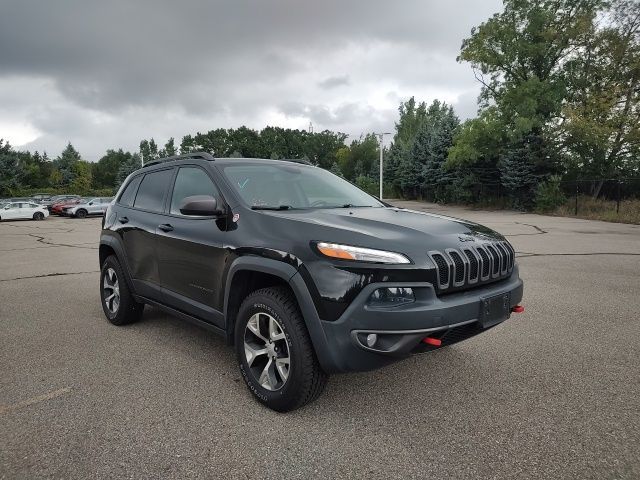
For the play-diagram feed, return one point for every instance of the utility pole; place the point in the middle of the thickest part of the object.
(381, 138)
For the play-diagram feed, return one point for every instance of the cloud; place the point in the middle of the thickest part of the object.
(333, 82)
(107, 74)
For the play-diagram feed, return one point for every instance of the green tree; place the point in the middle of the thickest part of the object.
(9, 174)
(81, 182)
(65, 163)
(431, 148)
(105, 171)
(127, 167)
(149, 150)
(521, 58)
(399, 167)
(601, 119)
(335, 169)
(169, 149)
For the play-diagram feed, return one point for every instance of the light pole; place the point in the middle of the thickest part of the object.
(381, 137)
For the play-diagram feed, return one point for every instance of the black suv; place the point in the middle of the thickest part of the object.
(302, 272)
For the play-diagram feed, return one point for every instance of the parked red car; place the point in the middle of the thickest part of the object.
(58, 208)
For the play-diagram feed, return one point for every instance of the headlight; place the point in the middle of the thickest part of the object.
(361, 254)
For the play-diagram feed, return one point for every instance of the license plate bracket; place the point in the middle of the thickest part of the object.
(495, 309)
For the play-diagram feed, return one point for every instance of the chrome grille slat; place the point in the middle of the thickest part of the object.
(503, 258)
(474, 265)
(485, 272)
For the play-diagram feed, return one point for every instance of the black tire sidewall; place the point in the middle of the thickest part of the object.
(128, 310)
(38, 216)
(289, 393)
(81, 213)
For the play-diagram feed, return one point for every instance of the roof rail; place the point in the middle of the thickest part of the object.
(202, 155)
(297, 160)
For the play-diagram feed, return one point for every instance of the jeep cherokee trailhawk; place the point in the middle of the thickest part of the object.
(302, 272)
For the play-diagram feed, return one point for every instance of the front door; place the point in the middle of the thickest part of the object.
(191, 256)
(11, 211)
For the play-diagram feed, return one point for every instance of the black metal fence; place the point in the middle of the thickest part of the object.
(582, 197)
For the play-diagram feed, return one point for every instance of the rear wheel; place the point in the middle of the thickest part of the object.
(81, 213)
(118, 304)
(274, 351)
(38, 216)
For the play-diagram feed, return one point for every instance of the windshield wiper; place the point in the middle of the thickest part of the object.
(271, 207)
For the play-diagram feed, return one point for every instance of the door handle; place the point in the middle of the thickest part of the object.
(165, 227)
(123, 220)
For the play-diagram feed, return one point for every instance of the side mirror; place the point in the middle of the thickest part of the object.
(200, 205)
(90, 203)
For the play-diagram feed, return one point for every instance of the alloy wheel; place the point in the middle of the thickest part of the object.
(267, 351)
(111, 290)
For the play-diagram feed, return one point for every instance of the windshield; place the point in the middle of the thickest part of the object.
(289, 186)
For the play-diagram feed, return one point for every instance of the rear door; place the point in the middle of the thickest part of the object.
(94, 206)
(138, 215)
(190, 250)
(26, 210)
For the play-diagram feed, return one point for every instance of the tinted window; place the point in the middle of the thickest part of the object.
(129, 194)
(152, 188)
(191, 181)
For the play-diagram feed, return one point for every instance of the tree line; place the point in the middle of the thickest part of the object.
(560, 91)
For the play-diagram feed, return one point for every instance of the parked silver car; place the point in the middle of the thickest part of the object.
(95, 206)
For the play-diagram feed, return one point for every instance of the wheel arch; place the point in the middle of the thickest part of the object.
(273, 272)
(111, 246)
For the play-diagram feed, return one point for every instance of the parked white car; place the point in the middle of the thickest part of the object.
(95, 206)
(21, 210)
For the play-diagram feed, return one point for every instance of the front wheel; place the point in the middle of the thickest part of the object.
(274, 351)
(81, 213)
(38, 216)
(118, 303)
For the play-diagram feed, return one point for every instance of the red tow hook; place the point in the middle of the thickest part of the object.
(436, 342)
(518, 309)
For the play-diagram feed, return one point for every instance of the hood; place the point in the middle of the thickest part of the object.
(389, 228)
(386, 223)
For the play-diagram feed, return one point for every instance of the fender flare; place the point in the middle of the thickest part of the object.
(116, 245)
(289, 274)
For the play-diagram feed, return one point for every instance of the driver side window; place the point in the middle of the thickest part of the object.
(191, 181)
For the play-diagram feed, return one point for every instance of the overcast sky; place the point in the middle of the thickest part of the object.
(106, 74)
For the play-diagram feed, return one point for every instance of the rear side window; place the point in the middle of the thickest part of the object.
(191, 181)
(129, 194)
(152, 189)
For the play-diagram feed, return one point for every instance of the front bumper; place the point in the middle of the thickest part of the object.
(400, 330)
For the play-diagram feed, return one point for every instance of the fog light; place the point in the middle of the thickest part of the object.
(372, 338)
(391, 297)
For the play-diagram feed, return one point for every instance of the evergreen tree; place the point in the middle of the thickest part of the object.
(65, 163)
(9, 175)
(518, 172)
(335, 169)
(127, 167)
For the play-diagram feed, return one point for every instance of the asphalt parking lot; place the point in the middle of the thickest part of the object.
(551, 393)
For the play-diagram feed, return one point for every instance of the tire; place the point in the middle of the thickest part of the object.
(118, 304)
(305, 380)
(81, 213)
(38, 216)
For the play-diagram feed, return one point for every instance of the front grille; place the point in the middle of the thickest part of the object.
(474, 264)
(443, 268)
